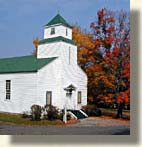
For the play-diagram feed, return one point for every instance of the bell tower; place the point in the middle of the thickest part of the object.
(57, 41)
(57, 27)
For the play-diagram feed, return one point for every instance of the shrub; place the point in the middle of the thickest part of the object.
(35, 112)
(43, 113)
(60, 116)
(52, 112)
(92, 110)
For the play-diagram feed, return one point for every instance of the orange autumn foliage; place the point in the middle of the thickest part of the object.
(123, 97)
(108, 40)
(85, 45)
(104, 59)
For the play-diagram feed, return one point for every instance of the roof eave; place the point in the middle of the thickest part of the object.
(57, 39)
(53, 25)
(15, 72)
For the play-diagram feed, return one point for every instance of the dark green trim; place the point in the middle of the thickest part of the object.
(58, 19)
(23, 64)
(15, 72)
(55, 39)
(59, 24)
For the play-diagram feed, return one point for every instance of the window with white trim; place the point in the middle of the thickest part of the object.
(79, 97)
(49, 98)
(8, 89)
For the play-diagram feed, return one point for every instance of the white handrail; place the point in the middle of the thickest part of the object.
(72, 114)
(83, 113)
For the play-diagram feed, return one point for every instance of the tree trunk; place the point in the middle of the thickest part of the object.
(120, 110)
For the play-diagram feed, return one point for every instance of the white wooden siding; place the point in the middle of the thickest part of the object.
(82, 86)
(69, 73)
(60, 30)
(49, 79)
(23, 92)
(49, 50)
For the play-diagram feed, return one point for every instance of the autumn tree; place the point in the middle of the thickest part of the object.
(103, 34)
(85, 44)
(122, 43)
(91, 59)
(103, 30)
(120, 57)
(88, 59)
(104, 55)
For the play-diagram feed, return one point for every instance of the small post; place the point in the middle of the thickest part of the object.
(65, 115)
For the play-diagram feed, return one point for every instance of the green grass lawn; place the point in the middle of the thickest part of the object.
(17, 119)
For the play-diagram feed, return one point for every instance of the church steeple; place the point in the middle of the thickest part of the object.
(57, 42)
(58, 19)
(58, 26)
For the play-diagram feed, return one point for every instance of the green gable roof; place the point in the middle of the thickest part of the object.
(58, 19)
(23, 64)
(54, 39)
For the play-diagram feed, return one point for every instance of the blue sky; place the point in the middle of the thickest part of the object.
(23, 20)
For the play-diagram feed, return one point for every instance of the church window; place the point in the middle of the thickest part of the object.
(8, 89)
(79, 97)
(49, 98)
(52, 31)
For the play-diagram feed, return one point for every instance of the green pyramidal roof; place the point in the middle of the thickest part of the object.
(58, 19)
(23, 64)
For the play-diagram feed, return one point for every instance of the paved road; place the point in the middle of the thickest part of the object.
(89, 126)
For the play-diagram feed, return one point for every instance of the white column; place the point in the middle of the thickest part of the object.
(65, 115)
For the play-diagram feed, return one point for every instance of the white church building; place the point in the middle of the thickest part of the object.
(50, 77)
